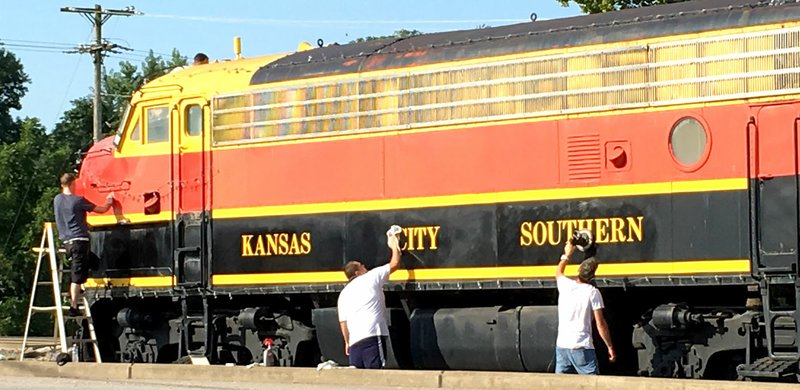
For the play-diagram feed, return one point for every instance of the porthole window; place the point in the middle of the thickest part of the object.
(688, 143)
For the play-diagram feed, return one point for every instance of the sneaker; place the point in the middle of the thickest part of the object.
(74, 312)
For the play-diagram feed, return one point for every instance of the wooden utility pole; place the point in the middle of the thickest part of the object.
(98, 16)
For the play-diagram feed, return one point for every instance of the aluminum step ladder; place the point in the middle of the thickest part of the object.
(48, 248)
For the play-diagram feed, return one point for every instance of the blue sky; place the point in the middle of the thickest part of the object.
(209, 26)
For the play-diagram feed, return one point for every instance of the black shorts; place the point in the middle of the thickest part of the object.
(82, 259)
(368, 353)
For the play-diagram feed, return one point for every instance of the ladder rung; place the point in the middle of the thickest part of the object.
(44, 308)
(39, 250)
(43, 283)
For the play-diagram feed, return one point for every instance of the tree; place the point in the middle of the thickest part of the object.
(402, 33)
(26, 191)
(31, 160)
(597, 6)
(74, 129)
(12, 88)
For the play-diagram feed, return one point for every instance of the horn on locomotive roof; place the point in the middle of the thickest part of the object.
(237, 47)
(303, 46)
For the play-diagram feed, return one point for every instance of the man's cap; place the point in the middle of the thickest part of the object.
(587, 269)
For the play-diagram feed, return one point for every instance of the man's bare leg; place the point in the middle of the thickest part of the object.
(74, 294)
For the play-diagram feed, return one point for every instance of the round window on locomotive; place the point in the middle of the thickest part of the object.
(688, 143)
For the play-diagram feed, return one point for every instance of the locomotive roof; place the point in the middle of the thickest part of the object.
(655, 21)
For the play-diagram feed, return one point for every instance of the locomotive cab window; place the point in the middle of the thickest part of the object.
(135, 133)
(194, 120)
(157, 124)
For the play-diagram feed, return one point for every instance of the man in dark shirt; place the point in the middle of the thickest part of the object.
(73, 231)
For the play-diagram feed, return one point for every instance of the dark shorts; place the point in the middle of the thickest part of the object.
(81, 260)
(369, 353)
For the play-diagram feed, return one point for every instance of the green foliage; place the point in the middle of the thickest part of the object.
(25, 183)
(31, 161)
(74, 129)
(403, 33)
(597, 6)
(13, 82)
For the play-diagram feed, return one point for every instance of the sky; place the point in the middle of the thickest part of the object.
(209, 26)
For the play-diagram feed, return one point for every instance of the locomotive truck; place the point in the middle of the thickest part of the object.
(670, 132)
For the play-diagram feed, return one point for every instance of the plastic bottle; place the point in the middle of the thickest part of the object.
(75, 356)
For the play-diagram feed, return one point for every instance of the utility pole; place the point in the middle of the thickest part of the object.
(98, 16)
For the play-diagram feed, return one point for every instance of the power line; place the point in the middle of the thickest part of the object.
(62, 45)
(215, 19)
(32, 46)
(98, 16)
(37, 42)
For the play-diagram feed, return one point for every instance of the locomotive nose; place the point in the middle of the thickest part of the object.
(97, 175)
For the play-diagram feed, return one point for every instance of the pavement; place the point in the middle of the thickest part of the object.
(62, 383)
(47, 375)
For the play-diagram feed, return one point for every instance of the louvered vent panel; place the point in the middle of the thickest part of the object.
(583, 157)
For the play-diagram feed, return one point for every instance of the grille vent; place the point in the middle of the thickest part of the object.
(583, 157)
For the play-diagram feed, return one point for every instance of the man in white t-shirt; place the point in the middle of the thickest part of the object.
(578, 302)
(362, 310)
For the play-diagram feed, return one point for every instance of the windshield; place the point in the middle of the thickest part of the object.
(122, 123)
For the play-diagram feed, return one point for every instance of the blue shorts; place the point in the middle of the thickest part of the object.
(576, 361)
(368, 353)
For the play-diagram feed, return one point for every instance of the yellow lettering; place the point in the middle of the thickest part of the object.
(601, 235)
(525, 235)
(294, 248)
(570, 224)
(260, 246)
(420, 232)
(433, 233)
(407, 245)
(539, 233)
(272, 245)
(617, 235)
(551, 235)
(635, 228)
(283, 242)
(605, 230)
(305, 243)
(584, 224)
(247, 250)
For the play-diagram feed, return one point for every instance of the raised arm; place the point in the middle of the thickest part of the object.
(562, 263)
(394, 261)
(105, 207)
(605, 333)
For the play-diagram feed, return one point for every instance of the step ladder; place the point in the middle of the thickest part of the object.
(48, 248)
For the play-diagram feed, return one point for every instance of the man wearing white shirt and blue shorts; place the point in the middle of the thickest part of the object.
(362, 309)
(578, 302)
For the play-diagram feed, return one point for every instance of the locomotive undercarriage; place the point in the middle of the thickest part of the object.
(717, 329)
(196, 327)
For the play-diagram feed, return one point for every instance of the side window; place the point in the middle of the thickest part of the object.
(157, 124)
(194, 120)
(136, 132)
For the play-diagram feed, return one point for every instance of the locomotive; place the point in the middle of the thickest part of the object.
(669, 132)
